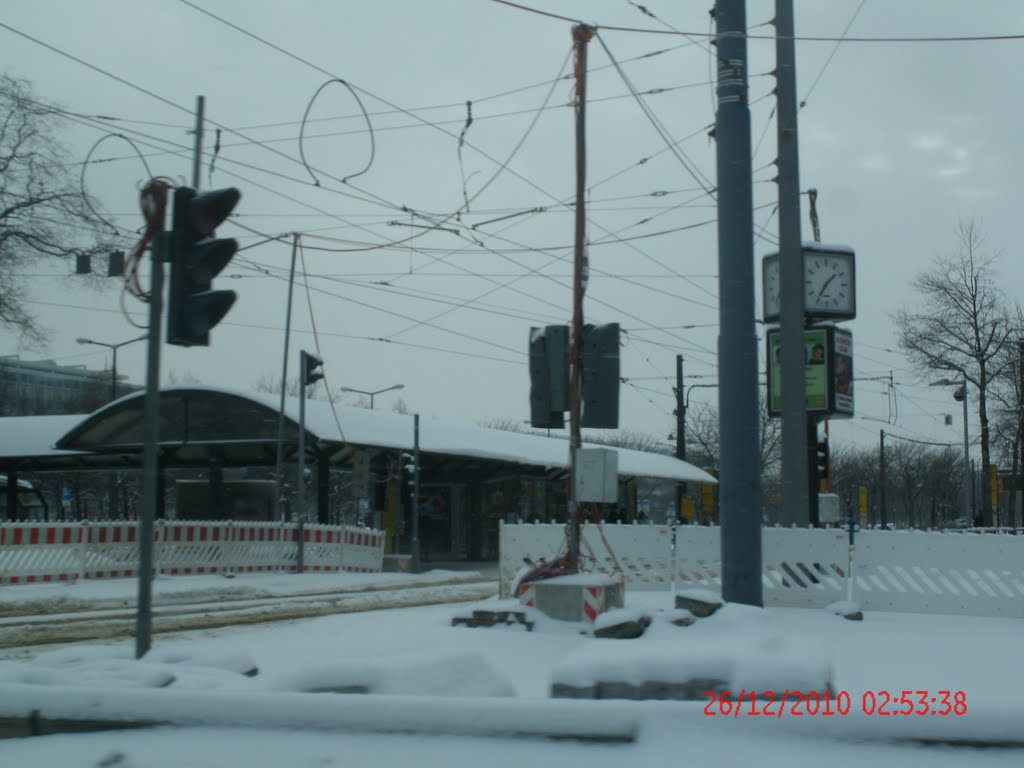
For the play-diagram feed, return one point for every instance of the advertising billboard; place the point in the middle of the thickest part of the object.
(828, 371)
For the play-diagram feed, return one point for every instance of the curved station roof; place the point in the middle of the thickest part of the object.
(239, 427)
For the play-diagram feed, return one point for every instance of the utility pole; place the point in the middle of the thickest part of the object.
(279, 470)
(881, 481)
(1013, 518)
(300, 500)
(796, 427)
(150, 443)
(680, 431)
(739, 480)
(581, 35)
(198, 151)
(416, 493)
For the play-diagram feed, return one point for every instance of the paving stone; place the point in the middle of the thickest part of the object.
(700, 607)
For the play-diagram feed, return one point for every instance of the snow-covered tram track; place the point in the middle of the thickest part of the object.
(28, 629)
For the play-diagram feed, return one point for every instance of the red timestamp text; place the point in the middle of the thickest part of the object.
(828, 703)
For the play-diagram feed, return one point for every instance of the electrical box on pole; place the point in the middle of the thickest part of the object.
(597, 478)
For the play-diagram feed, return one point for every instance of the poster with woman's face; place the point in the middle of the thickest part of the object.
(843, 366)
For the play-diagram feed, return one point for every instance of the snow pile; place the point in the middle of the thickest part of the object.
(450, 674)
(740, 648)
(116, 667)
(619, 616)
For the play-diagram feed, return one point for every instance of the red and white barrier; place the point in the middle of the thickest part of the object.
(41, 552)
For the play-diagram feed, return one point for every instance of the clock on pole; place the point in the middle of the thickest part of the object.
(829, 283)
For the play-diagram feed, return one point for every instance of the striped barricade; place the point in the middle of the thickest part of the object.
(191, 548)
(37, 552)
(362, 550)
(111, 550)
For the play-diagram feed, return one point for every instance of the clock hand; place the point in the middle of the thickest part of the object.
(833, 277)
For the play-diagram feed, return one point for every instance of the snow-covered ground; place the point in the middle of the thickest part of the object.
(438, 693)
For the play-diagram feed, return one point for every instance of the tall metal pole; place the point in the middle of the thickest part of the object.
(796, 476)
(739, 480)
(882, 482)
(968, 513)
(301, 497)
(279, 471)
(416, 493)
(198, 151)
(150, 456)
(680, 431)
(581, 35)
(113, 374)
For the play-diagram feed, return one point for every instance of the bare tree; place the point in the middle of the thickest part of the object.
(43, 211)
(702, 435)
(962, 326)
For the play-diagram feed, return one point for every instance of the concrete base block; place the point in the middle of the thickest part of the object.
(577, 598)
(397, 564)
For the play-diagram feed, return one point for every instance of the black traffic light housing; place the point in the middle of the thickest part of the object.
(196, 258)
(821, 459)
(308, 364)
(601, 376)
(549, 376)
(958, 394)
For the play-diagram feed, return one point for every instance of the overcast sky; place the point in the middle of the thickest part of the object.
(901, 140)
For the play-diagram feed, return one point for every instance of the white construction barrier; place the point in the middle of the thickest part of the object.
(640, 554)
(974, 574)
(911, 571)
(41, 552)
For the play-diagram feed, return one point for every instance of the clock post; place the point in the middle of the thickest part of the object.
(829, 296)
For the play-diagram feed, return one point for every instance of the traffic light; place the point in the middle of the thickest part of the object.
(601, 376)
(308, 364)
(821, 459)
(196, 258)
(549, 376)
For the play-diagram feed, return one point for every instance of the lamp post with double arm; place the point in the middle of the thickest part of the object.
(113, 364)
(112, 488)
(371, 394)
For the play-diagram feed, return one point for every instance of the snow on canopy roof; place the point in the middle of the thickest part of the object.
(26, 436)
(361, 426)
(22, 436)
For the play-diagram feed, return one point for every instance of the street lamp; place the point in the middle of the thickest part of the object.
(113, 365)
(371, 394)
(112, 489)
(961, 394)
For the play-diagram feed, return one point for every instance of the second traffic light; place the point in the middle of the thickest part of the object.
(196, 258)
(308, 364)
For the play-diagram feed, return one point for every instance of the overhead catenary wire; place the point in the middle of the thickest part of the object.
(620, 240)
(805, 38)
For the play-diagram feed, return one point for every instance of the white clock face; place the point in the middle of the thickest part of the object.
(828, 283)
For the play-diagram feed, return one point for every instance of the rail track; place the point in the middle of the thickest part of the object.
(29, 625)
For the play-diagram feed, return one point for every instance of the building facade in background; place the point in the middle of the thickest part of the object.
(43, 387)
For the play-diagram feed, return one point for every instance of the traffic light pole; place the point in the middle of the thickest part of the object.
(279, 467)
(415, 544)
(300, 501)
(150, 456)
